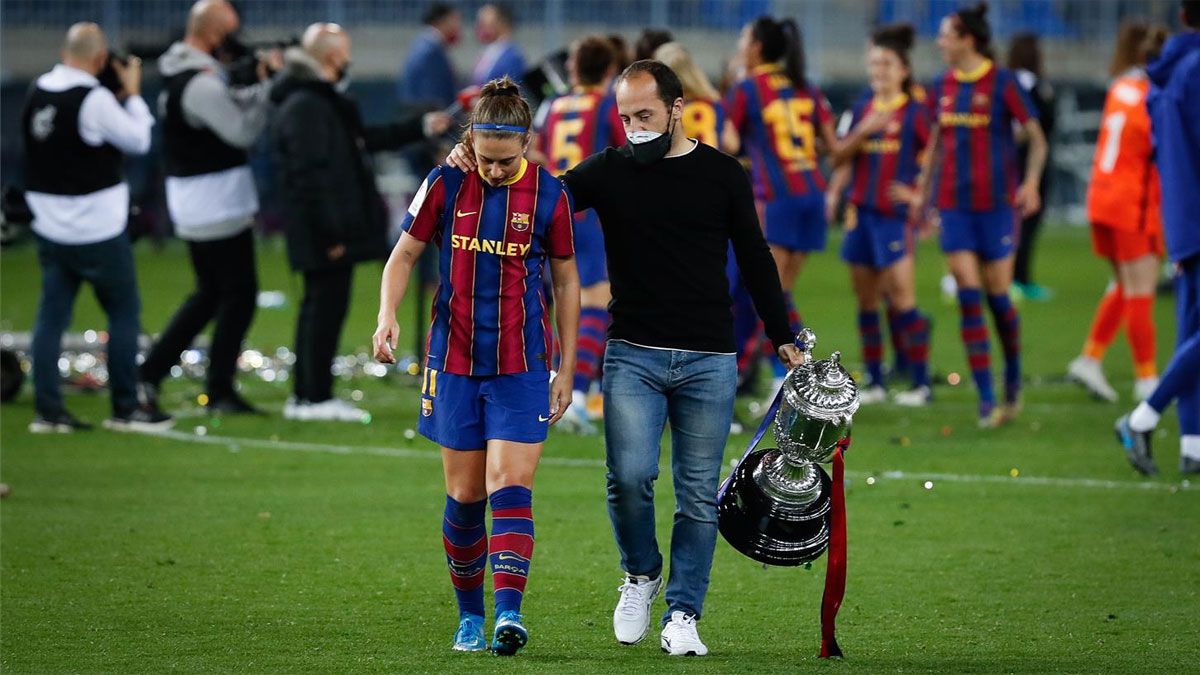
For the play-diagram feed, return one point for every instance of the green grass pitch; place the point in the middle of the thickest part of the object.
(268, 546)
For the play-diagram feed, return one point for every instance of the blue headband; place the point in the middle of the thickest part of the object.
(500, 127)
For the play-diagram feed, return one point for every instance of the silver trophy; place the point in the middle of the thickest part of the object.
(775, 505)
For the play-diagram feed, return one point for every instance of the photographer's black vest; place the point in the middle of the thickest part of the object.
(57, 160)
(190, 151)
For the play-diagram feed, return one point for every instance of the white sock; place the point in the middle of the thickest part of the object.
(1144, 418)
(1189, 446)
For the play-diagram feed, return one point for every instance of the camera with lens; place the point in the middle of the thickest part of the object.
(108, 77)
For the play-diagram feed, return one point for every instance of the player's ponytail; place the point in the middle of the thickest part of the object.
(898, 38)
(500, 112)
(793, 55)
(973, 21)
(781, 41)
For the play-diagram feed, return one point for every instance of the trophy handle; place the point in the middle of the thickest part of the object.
(806, 340)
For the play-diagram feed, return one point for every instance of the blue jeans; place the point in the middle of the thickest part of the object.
(643, 389)
(108, 267)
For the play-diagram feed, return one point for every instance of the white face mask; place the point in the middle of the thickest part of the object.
(647, 147)
(639, 137)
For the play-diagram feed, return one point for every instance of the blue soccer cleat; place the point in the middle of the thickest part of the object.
(1137, 447)
(469, 637)
(510, 634)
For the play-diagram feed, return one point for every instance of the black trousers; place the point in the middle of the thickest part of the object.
(1023, 268)
(227, 291)
(322, 313)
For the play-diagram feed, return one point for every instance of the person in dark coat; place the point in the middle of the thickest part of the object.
(334, 217)
(1025, 60)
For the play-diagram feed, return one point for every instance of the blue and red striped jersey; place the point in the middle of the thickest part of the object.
(890, 155)
(703, 120)
(490, 313)
(974, 112)
(578, 125)
(778, 125)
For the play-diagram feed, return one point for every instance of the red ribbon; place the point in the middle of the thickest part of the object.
(835, 570)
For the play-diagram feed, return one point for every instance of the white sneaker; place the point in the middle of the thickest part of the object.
(1143, 387)
(679, 636)
(949, 289)
(631, 618)
(576, 419)
(917, 397)
(334, 410)
(1087, 372)
(295, 409)
(871, 395)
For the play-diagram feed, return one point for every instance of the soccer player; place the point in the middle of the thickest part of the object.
(780, 116)
(1173, 102)
(1124, 205)
(878, 165)
(976, 106)
(571, 127)
(487, 397)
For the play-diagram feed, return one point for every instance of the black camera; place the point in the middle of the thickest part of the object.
(241, 59)
(108, 76)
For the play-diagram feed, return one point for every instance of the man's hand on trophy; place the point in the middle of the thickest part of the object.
(791, 356)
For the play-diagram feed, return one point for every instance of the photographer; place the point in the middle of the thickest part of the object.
(207, 128)
(334, 217)
(75, 132)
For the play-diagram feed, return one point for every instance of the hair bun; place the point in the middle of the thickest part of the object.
(900, 36)
(503, 86)
(980, 9)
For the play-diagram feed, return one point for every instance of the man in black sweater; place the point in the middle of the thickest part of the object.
(670, 207)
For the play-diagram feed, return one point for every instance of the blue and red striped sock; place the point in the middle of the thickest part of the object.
(796, 324)
(464, 537)
(872, 345)
(900, 359)
(975, 339)
(593, 330)
(512, 545)
(1008, 325)
(914, 327)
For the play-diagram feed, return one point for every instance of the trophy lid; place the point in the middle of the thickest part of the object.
(821, 389)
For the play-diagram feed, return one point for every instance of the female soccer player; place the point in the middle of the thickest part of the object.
(1124, 205)
(878, 162)
(487, 397)
(569, 128)
(975, 192)
(780, 116)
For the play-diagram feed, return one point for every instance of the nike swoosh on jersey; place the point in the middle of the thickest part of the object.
(543, 419)
(468, 213)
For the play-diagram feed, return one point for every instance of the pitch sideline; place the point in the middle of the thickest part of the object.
(234, 443)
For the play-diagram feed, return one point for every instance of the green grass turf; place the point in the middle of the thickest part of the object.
(282, 546)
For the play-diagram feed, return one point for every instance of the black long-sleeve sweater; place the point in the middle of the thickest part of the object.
(667, 230)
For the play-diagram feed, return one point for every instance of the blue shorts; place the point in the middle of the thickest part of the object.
(462, 412)
(797, 223)
(989, 234)
(589, 249)
(877, 241)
